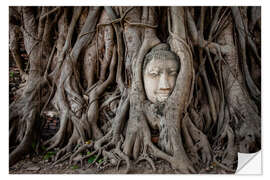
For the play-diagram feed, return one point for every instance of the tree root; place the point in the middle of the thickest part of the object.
(95, 160)
(224, 167)
(202, 143)
(148, 159)
(122, 156)
(80, 149)
(177, 164)
(63, 158)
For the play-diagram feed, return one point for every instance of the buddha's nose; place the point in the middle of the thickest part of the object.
(163, 82)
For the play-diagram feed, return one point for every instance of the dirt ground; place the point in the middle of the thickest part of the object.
(37, 165)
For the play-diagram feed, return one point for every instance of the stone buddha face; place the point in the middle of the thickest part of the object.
(161, 68)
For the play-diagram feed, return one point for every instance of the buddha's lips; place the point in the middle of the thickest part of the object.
(162, 96)
(163, 93)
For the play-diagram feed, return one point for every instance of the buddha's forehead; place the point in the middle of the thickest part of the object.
(157, 63)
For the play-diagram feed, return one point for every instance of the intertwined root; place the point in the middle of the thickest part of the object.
(147, 158)
(179, 164)
(116, 156)
(110, 152)
(113, 156)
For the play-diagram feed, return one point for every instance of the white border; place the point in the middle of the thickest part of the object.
(4, 74)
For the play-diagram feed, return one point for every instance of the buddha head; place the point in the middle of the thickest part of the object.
(160, 70)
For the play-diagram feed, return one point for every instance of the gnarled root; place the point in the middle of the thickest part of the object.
(201, 142)
(122, 156)
(109, 145)
(139, 132)
(146, 157)
(28, 108)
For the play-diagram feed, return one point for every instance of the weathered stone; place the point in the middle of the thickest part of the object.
(160, 73)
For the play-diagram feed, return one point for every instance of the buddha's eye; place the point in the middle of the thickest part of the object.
(154, 74)
(173, 73)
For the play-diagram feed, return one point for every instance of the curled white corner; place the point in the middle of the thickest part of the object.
(249, 163)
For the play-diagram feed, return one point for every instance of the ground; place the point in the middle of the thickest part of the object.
(37, 165)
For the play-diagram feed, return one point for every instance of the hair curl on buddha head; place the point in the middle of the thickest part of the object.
(160, 51)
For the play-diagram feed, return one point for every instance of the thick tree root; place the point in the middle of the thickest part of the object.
(147, 159)
(122, 156)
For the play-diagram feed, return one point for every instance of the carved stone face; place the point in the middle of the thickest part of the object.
(159, 78)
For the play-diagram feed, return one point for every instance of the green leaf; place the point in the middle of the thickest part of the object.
(11, 74)
(74, 167)
(51, 153)
(34, 144)
(91, 159)
(43, 148)
(48, 155)
(100, 161)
